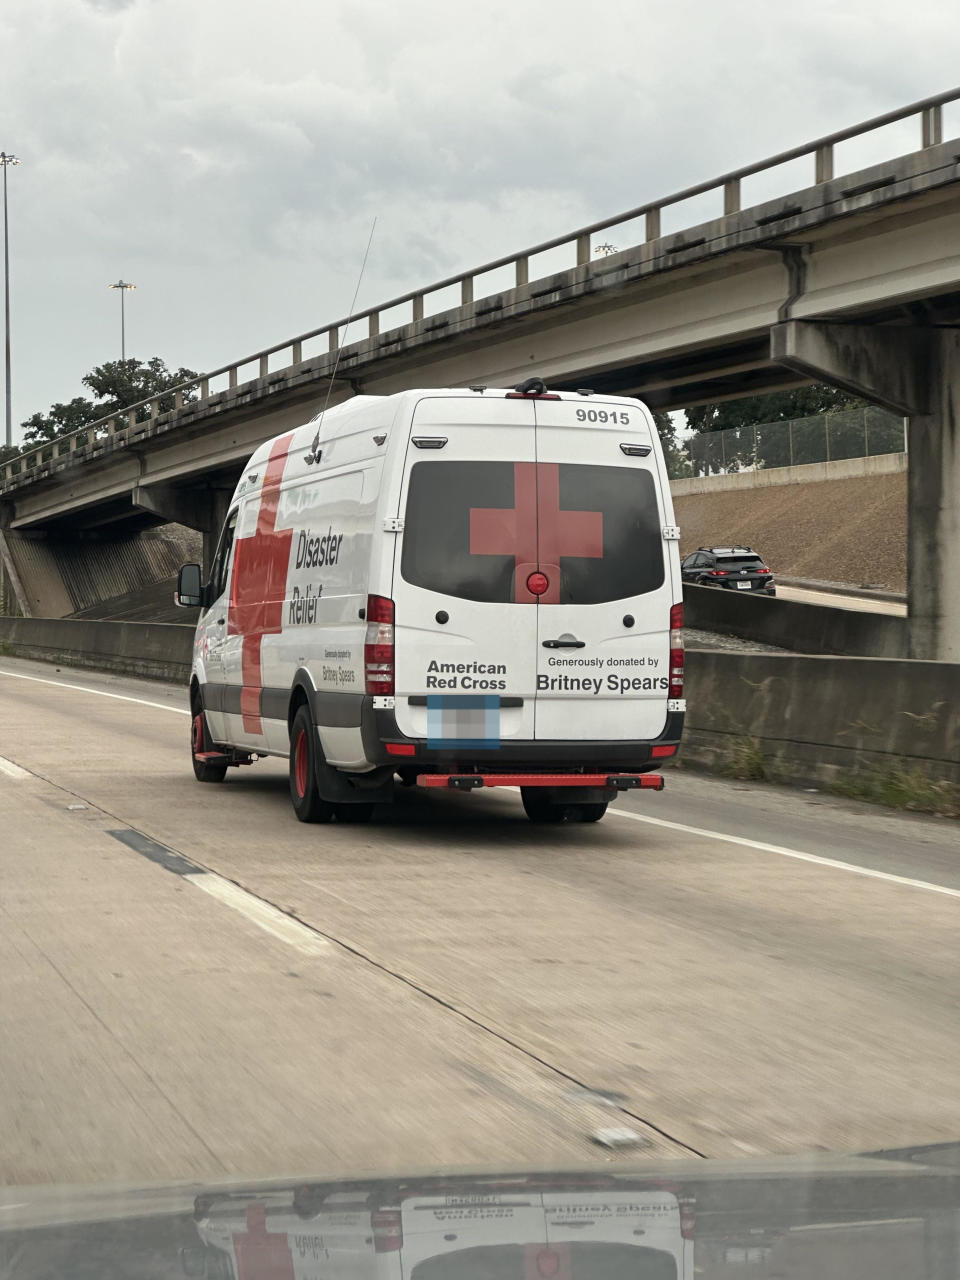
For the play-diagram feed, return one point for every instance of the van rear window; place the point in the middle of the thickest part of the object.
(469, 524)
(578, 1260)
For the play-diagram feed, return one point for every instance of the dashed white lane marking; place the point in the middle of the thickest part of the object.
(101, 693)
(763, 847)
(261, 913)
(12, 770)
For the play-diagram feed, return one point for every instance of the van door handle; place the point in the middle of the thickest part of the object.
(565, 642)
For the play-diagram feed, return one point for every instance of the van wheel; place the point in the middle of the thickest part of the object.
(304, 792)
(541, 809)
(590, 812)
(200, 742)
(354, 812)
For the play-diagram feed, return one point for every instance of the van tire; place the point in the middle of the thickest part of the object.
(591, 812)
(304, 749)
(539, 808)
(200, 741)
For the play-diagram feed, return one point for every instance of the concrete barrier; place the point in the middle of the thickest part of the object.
(789, 624)
(159, 650)
(806, 719)
(819, 719)
(881, 464)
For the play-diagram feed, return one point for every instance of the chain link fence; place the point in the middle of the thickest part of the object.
(827, 437)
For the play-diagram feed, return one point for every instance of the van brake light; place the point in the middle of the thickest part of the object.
(676, 652)
(387, 1230)
(378, 663)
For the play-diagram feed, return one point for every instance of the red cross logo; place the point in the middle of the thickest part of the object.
(535, 531)
(259, 586)
(262, 1254)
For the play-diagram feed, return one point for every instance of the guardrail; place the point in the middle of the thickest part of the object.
(470, 283)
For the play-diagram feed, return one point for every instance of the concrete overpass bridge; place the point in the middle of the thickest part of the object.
(854, 279)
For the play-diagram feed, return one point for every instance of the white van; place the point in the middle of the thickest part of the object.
(462, 588)
(525, 1231)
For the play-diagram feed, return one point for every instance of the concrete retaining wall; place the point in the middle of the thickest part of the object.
(881, 464)
(804, 628)
(158, 650)
(817, 719)
(810, 719)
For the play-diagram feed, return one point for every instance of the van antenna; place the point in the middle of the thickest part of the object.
(314, 454)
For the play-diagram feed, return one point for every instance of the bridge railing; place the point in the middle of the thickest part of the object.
(576, 249)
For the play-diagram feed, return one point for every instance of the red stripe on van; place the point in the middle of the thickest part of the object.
(259, 585)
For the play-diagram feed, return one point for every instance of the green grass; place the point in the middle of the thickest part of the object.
(744, 758)
(900, 787)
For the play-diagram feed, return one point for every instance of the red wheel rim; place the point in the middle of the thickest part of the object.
(196, 733)
(300, 764)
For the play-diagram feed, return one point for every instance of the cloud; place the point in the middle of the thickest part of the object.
(229, 157)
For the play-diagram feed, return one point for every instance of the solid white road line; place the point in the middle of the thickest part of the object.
(102, 693)
(12, 770)
(815, 858)
(261, 913)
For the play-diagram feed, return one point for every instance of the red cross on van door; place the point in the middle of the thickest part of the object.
(536, 531)
(261, 1254)
(259, 585)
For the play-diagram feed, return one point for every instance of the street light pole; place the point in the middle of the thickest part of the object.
(5, 161)
(123, 286)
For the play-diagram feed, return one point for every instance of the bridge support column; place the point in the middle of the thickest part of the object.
(914, 371)
(202, 509)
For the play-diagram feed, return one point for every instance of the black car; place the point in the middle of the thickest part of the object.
(737, 568)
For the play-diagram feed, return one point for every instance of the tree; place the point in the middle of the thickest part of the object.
(60, 421)
(678, 464)
(115, 385)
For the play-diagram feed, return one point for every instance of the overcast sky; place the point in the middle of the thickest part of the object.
(228, 157)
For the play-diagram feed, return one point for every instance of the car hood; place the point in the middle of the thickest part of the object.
(882, 1214)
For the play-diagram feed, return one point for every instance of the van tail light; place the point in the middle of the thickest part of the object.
(676, 652)
(718, 573)
(387, 1230)
(688, 1217)
(378, 664)
(763, 571)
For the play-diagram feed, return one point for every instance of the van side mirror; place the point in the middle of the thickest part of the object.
(190, 592)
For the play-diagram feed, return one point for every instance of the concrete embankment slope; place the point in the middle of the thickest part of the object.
(851, 529)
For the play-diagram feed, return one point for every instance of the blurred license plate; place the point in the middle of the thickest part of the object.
(744, 586)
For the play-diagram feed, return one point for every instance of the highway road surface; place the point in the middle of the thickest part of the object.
(194, 985)
(833, 599)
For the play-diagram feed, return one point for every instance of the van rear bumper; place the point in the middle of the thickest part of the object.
(379, 730)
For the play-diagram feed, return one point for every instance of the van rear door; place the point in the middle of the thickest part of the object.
(603, 623)
(466, 624)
